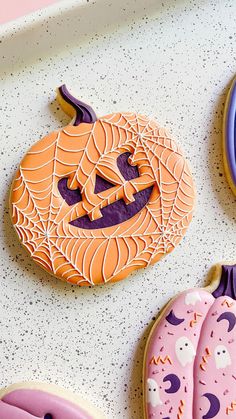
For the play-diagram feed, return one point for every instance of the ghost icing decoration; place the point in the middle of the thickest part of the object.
(100, 198)
(43, 401)
(191, 352)
(222, 357)
(184, 350)
(153, 396)
(192, 297)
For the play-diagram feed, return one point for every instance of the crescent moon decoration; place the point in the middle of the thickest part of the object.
(214, 406)
(230, 317)
(172, 319)
(174, 383)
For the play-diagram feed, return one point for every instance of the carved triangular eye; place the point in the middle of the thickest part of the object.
(102, 184)
(128, 172)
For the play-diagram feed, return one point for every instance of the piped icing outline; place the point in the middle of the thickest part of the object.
(42, 218)
(210, 338)
(230, 136)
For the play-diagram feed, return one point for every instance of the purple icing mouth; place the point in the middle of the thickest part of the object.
(112, 214)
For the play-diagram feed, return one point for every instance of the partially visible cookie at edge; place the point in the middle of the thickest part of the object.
(34, 400)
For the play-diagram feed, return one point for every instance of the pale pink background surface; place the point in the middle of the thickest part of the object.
(12, 9)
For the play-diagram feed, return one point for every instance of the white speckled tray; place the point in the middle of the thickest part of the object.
(172, 59)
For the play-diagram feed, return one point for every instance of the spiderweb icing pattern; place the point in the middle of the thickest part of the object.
(42, 218)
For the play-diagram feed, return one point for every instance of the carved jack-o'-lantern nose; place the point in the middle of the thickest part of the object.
(102, 197)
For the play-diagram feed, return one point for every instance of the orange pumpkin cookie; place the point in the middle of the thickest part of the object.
(100, 198)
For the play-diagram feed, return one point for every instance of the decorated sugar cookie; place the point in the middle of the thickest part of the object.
(43, 401)
(102, 197)
(229, 137)
(190, 359)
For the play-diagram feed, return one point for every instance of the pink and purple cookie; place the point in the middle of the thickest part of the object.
(229, 137)
(43, 401)
(190, 358)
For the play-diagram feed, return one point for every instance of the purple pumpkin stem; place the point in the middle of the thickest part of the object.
(227, 285)
(84, 113)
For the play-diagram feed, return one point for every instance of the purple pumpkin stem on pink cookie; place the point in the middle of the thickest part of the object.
(84, 112)
(227, 285)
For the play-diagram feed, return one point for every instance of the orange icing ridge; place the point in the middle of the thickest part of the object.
(42, 218)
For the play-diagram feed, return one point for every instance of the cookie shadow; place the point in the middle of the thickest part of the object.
(220, 186)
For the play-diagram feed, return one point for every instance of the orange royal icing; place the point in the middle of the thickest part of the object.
(42, 217)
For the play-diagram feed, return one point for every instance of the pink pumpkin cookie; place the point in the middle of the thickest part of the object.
(190, 359)
(43, 401)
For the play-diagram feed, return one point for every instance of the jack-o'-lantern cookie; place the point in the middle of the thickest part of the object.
(190, 359)
(43, 401)
(229, 137)
(100, 198)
